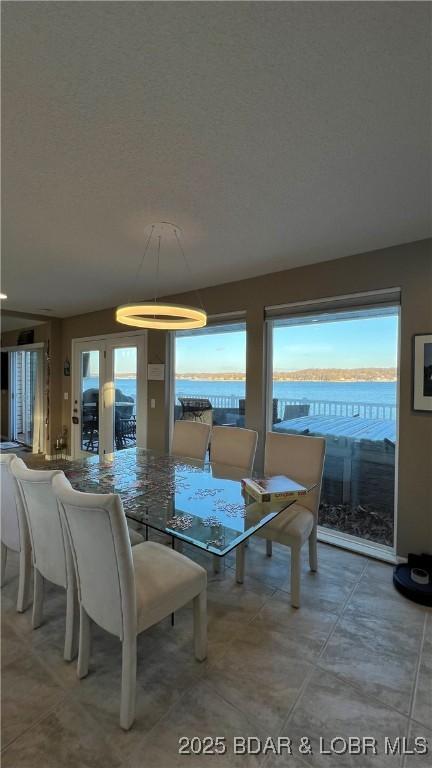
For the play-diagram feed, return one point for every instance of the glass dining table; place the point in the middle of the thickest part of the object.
(201, 503)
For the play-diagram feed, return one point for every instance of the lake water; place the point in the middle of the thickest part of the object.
(383, 392)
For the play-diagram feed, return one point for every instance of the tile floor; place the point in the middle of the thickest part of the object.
(355, 660)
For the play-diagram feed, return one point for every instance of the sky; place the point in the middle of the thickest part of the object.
(359, 343)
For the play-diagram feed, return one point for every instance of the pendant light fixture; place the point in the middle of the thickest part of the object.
(156, 314)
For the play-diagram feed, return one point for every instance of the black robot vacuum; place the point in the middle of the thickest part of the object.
(414, 579)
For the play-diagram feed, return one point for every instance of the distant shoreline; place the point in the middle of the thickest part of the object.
(313, 381)
(310, 375)
(335, 375)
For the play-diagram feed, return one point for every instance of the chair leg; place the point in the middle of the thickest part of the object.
(313, 550)
(240, 559)
(70, 646)
(38, 598)
(24, 580)
(295, 576)
(269, 547)
(3, 562)
(128, 684)
(200, 625)
(84, 644)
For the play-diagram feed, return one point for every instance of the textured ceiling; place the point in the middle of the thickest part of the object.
(274, 134)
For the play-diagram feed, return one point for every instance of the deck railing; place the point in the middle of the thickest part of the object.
(316, 407)
(341, 408)
(217, 401)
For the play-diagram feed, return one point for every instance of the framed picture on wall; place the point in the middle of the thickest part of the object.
(422, 372)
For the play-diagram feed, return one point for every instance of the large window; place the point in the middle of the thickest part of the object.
(335, 374)
(210, 374)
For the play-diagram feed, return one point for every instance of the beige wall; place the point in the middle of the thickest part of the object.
(408, 267)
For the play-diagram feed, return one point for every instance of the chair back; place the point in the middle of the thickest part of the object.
(98, 537)
(299, 457)
(234, 446)
(14, 529)
(190, 439)
(44, 522)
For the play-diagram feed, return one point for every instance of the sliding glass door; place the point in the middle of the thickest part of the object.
(26, 402)
(110, 389)
(336, 375)
(210, 374)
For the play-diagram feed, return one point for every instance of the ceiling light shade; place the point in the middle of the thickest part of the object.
(158, 316)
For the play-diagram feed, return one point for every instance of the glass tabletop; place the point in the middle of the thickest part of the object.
(201, 503)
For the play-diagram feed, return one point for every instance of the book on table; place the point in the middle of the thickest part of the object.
(276, 488)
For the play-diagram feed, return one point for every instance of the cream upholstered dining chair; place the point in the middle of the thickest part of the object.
(190, 439)
(14, 530)
(234, 447)
(49, 549)
(302, 458)
(122, 589)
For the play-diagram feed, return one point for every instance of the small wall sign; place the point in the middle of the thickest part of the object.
(156, 371)
(66, 367)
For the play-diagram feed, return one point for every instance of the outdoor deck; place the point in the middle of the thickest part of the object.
(341, 426)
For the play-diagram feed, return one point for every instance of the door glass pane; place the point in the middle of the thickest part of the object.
(125, 399)
(210, 374)
(336, 375)
(25, 381)
(90, 401)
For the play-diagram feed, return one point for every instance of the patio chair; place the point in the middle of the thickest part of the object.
(296, 410)
(275, 401)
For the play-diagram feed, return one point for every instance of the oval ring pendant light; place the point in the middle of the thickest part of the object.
(155, 314)
(161, 316)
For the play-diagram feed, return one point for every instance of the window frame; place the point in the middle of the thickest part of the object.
(229, 318)
(367, 301)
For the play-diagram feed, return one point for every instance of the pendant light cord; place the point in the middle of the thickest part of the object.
(157, 270)
(180, 247)
(187, 266)
(141, 264)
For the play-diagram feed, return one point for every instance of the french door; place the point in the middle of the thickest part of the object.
(109, 394)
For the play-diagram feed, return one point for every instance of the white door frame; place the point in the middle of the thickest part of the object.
(106, 345)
